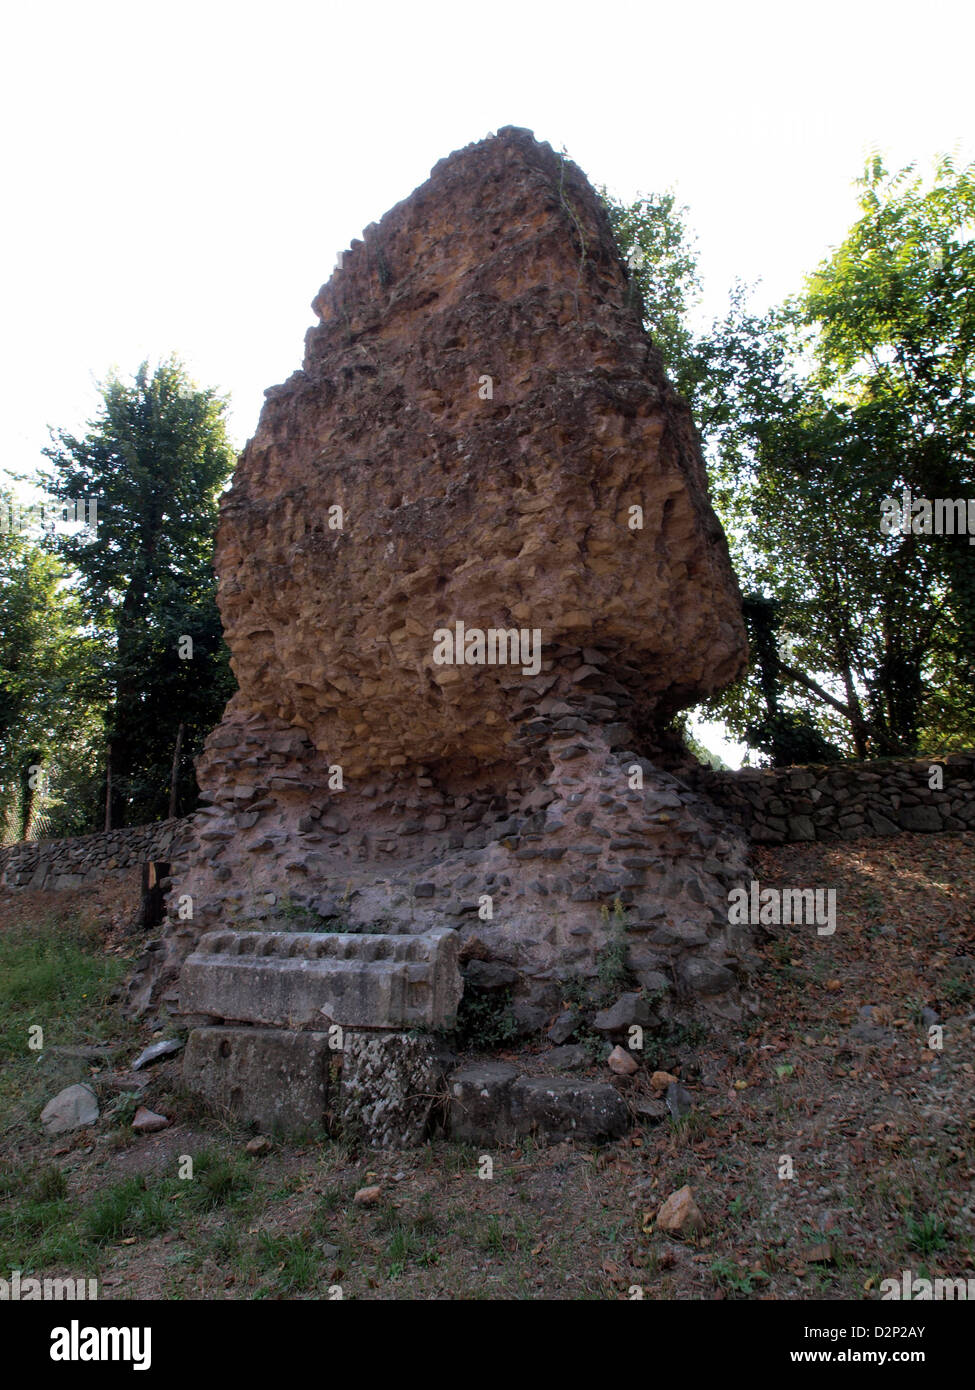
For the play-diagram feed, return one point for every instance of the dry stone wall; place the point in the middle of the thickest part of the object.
(773, 805)
(844, 801)
(71, 863)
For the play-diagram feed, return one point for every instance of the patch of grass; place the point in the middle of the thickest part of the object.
(225, 1245)
(12, 1178)
(334, 1197)
(132, 1207)
(292, 1262)
(408, 1247)
(38, 1233)
(52, 971)
(37, 1219)
(491, 1238)
(49, 1185)
(121, 1111)
(662, 1047)
(294, 917)
(734, 1280)
(612, 970)
(217, 1181)
(925, 1233)
(957, 990)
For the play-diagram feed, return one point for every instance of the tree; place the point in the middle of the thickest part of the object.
(661, 257)
(811, 415)
(48, 701)
(156, 458)
(895, 312)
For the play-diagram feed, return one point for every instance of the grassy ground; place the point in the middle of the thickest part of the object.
(879, 1134)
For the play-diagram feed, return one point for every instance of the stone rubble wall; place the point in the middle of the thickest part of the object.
(774, 806)
(84, 859)
(843, 802)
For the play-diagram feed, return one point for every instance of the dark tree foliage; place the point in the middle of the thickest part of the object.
(156, 459)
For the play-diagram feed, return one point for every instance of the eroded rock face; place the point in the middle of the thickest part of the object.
(481, 435)
(485, 409)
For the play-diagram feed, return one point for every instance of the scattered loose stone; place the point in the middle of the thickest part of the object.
(661, 1080)
(564, 1026)
(873, 1034)
(367, 1196)
(680, 1213)
(260, 1144)
(148, 1122)
(96, 1052)
(621, 1062)
(566, 1058)
(155, 1052)
(678, 1100)
(651, 1112)
(629, 1009)
(819, 1254)
(73, 1108)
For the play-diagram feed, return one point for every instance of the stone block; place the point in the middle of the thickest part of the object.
(308, 979)
(592, 1111)
(923, 818)
(393, 1088)
(705, 977)
(480, 1102)
(274, 1078)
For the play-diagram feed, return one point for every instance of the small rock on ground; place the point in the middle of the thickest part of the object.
(680, 1213)
(147, 1121)
(73, 1108)
(621, 1062)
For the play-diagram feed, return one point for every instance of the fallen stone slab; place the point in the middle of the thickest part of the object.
(649, 1112)
(93, 1053)
(73, 1108)
(564, 1026)
(631, 1008)
(308, 979)
(270, 1077)
(678, 1100)
(560, 1108)
(480, 1103)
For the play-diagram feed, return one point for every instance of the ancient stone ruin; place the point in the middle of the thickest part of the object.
(468, 573)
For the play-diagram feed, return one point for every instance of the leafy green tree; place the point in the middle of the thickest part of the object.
(894, 310)
(811, 415)
(155, 458)
(48, 687)
(661, 257)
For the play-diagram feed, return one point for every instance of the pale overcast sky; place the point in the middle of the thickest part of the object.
(180, 177)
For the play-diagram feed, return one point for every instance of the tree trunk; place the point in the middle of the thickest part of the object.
(108, 788)
(172, 784)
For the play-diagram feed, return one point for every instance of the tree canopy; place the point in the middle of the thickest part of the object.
(848, 393)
